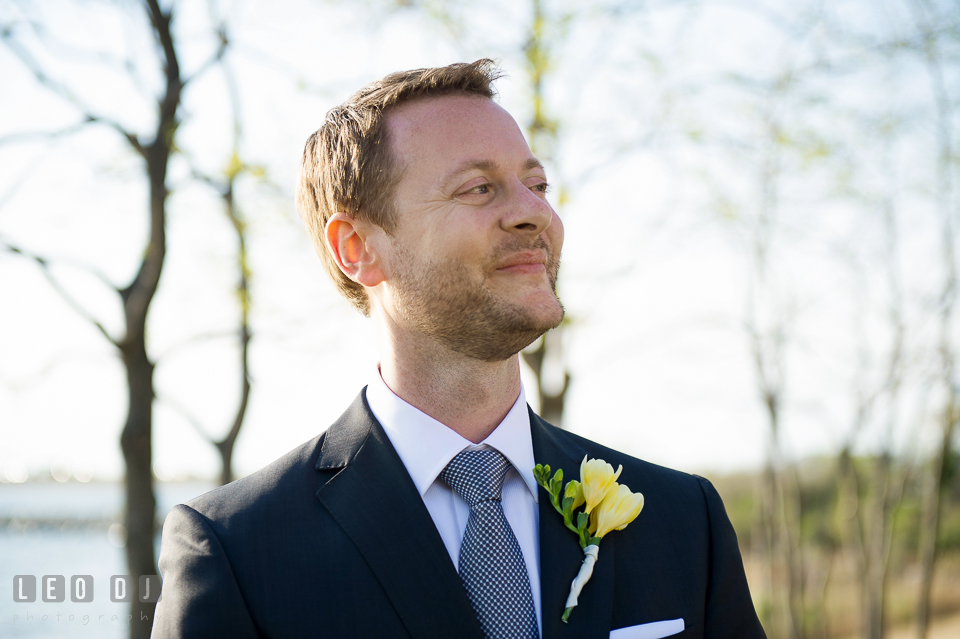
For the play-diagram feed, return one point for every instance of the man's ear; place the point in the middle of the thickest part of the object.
(349, 242)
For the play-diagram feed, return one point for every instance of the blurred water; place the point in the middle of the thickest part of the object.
(48, 499)
(69, 549)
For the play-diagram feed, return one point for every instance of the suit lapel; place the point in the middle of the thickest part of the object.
(560, 554)
(377, 504)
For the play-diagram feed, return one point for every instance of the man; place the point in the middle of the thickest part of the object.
(416, 514)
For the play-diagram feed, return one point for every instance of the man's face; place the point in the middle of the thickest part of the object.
(474, 257)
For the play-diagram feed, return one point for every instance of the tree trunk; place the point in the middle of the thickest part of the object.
(225, 447)
(932, 510)
(944, 103)
(136, 439)
(770, 507)
(875, 554)
(140, 516)
(137, 432)
(793, 557)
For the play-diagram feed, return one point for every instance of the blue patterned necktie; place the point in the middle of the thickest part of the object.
(491, 565)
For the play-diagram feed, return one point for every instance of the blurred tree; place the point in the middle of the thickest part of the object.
(870, 495)
(135, 441)
(772, 143)
(29, 39)
(768, 320)
(792, 138)
(225, 186)
(936, 34)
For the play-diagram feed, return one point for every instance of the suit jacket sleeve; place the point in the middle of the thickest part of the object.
(200, 596)
(729, 607)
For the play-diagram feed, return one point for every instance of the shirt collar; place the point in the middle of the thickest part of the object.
(426, 446)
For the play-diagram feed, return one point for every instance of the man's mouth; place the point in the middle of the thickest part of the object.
(525, 262)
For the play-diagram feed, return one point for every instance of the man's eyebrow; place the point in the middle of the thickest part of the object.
(532, 163)
(486, 165)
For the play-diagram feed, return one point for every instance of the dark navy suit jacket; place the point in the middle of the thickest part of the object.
(333, 540)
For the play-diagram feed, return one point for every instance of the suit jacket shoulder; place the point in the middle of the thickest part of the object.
(263, 494)
(332, 539)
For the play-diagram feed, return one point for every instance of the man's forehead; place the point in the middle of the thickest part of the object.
(475, 128)
(453, 115)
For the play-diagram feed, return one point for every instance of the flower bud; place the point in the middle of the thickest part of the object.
(596, 478)
(617, 509)
(574, 491)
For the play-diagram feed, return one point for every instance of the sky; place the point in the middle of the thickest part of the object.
(655, 278)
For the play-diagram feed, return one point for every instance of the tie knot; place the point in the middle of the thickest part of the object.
(476, 475)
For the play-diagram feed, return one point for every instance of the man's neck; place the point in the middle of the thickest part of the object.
(469, 396)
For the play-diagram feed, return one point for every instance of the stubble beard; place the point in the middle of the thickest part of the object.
(442, 300)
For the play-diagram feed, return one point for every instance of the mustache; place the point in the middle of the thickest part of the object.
(516, 245)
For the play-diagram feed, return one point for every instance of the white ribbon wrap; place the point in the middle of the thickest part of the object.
(586, 571)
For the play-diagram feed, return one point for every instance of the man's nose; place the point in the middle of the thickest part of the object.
(526, 212)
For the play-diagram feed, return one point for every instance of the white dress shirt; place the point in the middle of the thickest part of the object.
(426, 447)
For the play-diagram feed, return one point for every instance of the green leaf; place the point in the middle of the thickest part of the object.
(567, 506)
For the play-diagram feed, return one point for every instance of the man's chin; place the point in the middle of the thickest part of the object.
(540, 304)
(548, 313)
(521, 335)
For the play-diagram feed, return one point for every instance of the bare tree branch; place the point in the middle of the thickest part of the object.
(189, 417)
(45, 268)
(19, 181)
(215, 59)
(64, 92)
(28, 136)
(36, 377)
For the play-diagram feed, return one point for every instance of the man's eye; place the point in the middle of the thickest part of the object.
(482, 189)
(542, 187)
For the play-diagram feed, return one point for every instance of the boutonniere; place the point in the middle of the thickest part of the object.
(607, 506)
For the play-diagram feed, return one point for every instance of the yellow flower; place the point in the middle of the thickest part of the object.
(574, 490)
(617, 509)
(597, 478)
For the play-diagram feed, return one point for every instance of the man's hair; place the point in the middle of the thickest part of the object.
(347, 163)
